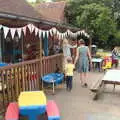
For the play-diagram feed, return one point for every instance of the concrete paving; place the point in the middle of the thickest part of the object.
(79, 105)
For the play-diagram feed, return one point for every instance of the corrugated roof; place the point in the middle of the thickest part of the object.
(52, 11)
(18, 7)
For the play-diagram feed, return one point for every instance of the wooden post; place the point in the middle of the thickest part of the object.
(0, 46)
(41, 68)
(22, 41)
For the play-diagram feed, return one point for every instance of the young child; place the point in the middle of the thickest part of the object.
(107, 63)
(69, 68)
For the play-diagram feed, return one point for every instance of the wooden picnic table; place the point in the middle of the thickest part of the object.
(110, 77)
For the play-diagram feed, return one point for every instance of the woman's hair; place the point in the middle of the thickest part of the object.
(65, 41)
(82, 41)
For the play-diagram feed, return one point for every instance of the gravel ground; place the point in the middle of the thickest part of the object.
(79, 105)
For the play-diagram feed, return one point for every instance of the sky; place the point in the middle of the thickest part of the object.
(35, 0)
(31, 0)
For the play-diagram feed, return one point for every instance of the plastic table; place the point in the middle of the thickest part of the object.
(53, 78)
(97, 61)
(3, 64)
(32, 104)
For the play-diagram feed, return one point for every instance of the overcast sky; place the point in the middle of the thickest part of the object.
(35, 0)
(31, 0)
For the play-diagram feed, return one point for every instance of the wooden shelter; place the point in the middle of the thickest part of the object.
(52, 11)
(25, 75)
(18, 14)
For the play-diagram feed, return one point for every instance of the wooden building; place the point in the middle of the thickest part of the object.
(27, 50)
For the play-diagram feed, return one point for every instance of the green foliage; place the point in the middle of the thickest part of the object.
(97, 17)
(105, 26)
(117, 37)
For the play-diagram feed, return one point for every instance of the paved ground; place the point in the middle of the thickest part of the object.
(78, 104)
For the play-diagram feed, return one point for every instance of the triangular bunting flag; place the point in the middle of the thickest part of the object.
(51, 33)
(40, 33)
(6, 30)
(47, 32)
(12, 31)
(30, 27)
(36, 31)
(75, 35)
(54, 30)
(87, 35)
(59, 35)
(19, 31)
(0, 26)
(72, 34)
(78, 32)
(69, 32)
(62, 36)
(24, 30)
(81, 32)
(66, 34)
(43, 32)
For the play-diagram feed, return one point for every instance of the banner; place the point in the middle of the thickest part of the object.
(36, 31)
(40, 33)
(19, 31)
(12, 31)
(0, 26)
(24, 30)
(5, 30)
(52, 31)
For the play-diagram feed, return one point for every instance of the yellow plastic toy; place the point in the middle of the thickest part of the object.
(107, 63)
(32, 98)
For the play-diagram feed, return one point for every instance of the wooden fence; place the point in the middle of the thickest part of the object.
(25, 76)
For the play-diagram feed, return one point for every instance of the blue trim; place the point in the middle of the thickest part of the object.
(3, 64)
(32, 111)
(53, 117)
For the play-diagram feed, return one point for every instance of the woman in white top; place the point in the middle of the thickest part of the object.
(66, 49)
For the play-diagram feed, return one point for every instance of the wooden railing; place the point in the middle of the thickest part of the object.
(25, 76)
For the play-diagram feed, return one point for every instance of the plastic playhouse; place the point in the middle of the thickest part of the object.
(32, 104)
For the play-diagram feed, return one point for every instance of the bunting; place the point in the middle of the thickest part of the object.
(24, 30)
(51, 32)
(40, 33)
(19, 31)
(43, 32)
(0, 26)
(6, 30)
(36, 31)
(12, 31)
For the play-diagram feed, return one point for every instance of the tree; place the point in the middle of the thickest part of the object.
(38, 1)
(59, 0)
(95, 17)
